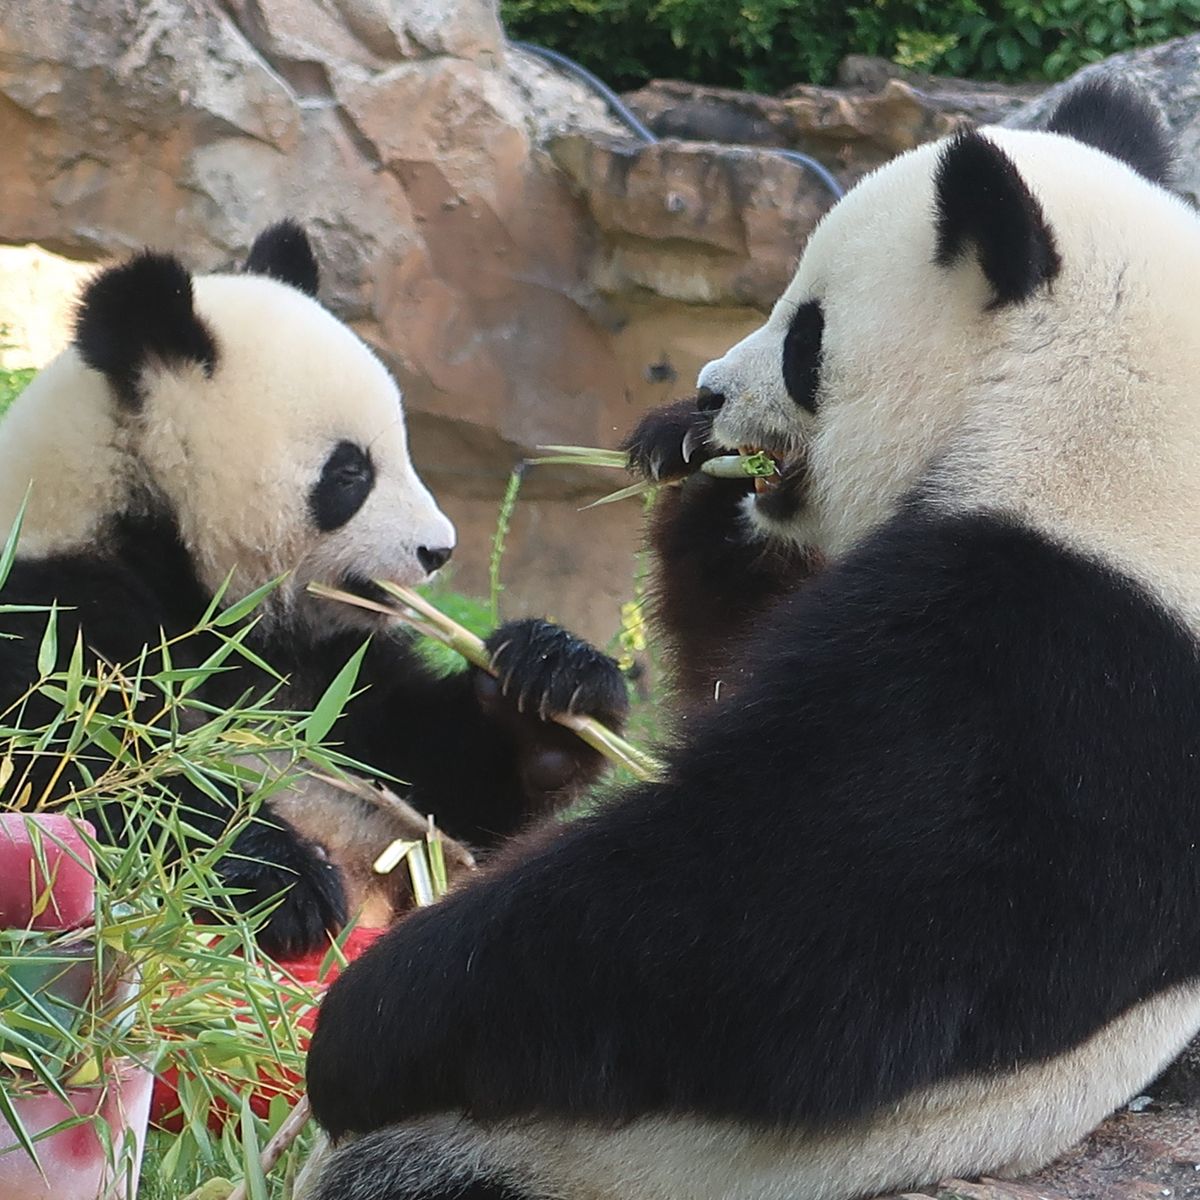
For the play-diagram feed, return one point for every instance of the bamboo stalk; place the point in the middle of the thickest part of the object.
(293, 1125)
(407, 817)
(418, 613)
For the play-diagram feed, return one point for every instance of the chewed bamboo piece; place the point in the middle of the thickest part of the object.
(728, 466)
(741, 466)
(417, 612)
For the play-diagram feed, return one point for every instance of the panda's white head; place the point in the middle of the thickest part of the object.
(236, 403)
(1007, 315)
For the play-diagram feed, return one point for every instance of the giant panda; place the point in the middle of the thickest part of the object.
(925, 900)
(205, 435)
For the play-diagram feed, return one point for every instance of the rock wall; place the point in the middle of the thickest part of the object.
(514, 308)
(530, 271)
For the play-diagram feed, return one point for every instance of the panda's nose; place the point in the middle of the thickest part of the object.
(709, 401)
(432, 560)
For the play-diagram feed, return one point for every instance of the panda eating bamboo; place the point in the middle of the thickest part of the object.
(208, 435)
(925, 901)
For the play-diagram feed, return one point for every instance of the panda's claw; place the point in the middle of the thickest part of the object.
(670, 442)
(548, 671)
(494, 656)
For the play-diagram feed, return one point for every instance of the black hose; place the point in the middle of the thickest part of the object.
(834, 188)
(619, 107)
(628, 118)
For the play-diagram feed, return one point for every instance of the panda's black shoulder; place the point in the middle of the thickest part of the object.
(118, 614)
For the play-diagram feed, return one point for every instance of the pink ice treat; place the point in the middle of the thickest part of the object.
(63, 894)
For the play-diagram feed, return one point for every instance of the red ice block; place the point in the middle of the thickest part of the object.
(273, 1081)
(62, 896)
(74, 1159)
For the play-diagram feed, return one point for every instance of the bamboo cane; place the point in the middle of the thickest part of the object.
(419, 614)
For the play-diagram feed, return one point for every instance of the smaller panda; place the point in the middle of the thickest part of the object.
(215, 433)
(925, 900)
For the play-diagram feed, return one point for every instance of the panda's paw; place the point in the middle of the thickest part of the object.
(272, 859)
(670, 442)
(546, 671)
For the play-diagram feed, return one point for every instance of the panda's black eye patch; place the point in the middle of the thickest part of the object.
(802, 354)
(346, 481)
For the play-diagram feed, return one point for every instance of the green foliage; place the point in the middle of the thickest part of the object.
(12, 379)
(195, 997)
(759, 44)
(767, 45)
(1016, 39)
(12, 382)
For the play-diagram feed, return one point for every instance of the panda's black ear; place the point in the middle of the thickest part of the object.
(985, 207)
(138, 313)
(284, 252)
(1120, 120)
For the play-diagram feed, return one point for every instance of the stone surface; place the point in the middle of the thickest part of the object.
(697, 223)
(878, 111)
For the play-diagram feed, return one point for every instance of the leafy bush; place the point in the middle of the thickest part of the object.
(759, 44)
(1016, 39)
(769, 44)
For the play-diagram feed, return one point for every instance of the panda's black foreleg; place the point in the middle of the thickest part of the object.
(714, 573)
(271, 859)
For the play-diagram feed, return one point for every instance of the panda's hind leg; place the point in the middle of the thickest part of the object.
(439, 1159)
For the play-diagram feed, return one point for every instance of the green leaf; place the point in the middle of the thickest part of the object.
(75, 673)
(246, 605)
(1008, 50)
(320, 721)
(9, 553)
(1030, 33)
(256, 1183)
(48, 650)
(12, 1118)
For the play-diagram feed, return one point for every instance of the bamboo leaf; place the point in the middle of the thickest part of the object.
(256, 1182)
(75, 673)
(626, 493)
(246, 605)
(9, 553)
(48, 650)
(9, 1112)
(320, 721)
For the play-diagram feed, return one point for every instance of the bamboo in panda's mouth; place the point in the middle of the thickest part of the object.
(765, 467)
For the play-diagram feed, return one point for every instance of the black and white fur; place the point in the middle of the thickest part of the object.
(925, 899)
(225, 430)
